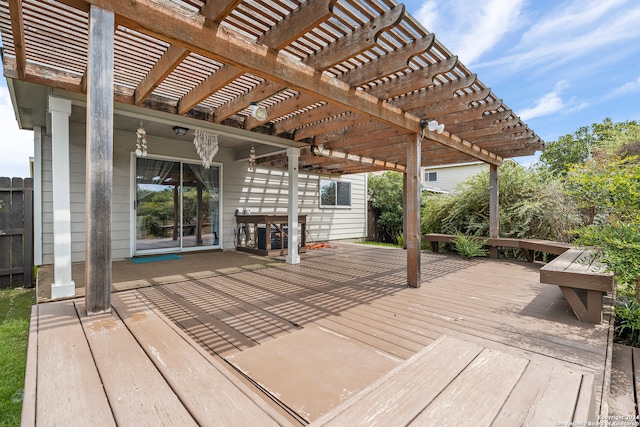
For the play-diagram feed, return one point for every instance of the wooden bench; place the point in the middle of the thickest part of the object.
(578, 271)
(528, 247)
(453, 382)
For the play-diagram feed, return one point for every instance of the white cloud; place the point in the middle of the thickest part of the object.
(552, 102)
(16, 145)
(589, 30)
(625, 90)
(469, 29)
(549, 103)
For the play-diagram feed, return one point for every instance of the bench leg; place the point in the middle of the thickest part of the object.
(592, 313)
(434, 247)
(494, 252)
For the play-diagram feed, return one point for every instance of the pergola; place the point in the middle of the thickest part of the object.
(348, 85)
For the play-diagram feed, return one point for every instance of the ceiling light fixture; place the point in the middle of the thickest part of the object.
(258, 112)
(179, 130)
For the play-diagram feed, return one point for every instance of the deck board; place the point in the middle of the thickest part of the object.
(360, 293)
(136, 390)
(65, 362)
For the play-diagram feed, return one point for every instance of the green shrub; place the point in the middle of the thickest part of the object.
(532, 205)
(469, 246)
(627, 320)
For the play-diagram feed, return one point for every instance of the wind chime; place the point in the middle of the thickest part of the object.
(252, 159)
(206, 145)
(141, 142)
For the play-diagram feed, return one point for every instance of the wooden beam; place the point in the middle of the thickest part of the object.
(169, 60)
(434, 94)
(43, 75)
(450, 106)
(412, 208)
(189, 30)
(324, 152)
(218, 10)
(17, 31)
(486, 127)
(99, 164)
(361, 39)
(474, 113)
(300, 21)
(222, 77)
(307, 16)
(409, 82)
(390, 63)
(393, 62)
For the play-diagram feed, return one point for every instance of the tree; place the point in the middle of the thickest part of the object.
(576, 148)
(609, 187)
(385, 198)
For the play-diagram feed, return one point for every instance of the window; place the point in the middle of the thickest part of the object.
(335, 194)
(431, 177)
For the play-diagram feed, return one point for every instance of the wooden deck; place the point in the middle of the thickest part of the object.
(309, 336)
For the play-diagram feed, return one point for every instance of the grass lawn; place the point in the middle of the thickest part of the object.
(15, 310)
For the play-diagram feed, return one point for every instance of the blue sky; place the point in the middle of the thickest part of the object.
(559, 65)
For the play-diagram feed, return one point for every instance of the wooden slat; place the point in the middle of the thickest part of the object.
(622, 400)
(137, 392)
(636, 376)
(210, 394)
(65, 362)
(544, 395)
(232, 49)
(569, 270)
(493, 374)
(400, 395)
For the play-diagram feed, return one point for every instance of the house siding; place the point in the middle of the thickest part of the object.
(450, 176)
(263, 191)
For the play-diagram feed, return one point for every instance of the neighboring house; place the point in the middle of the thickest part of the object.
(150, 192)
(445, 178)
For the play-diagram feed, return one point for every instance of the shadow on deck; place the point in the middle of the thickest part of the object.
(307, 337)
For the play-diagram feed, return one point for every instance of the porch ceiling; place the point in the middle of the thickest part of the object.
(351, 76)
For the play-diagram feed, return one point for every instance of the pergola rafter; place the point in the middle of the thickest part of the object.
(335, 72)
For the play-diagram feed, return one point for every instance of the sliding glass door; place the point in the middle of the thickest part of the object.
(177, 206)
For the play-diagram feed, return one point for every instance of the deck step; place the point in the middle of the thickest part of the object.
(452, 381)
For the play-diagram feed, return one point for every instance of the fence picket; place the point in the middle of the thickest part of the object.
(16, 232)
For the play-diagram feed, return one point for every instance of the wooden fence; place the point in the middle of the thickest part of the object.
(16, 232)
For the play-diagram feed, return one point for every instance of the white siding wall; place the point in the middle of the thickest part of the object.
(449, 177)
(263, 191)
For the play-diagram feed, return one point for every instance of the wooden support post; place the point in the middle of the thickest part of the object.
(199, 211)
(99, 166)
(292, 254)
(63, 285)
(412, 209)
(404, 211)
(494, 209)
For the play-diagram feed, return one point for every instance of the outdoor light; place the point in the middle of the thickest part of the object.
(180, 130)
(435, 126)
(259, 113)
